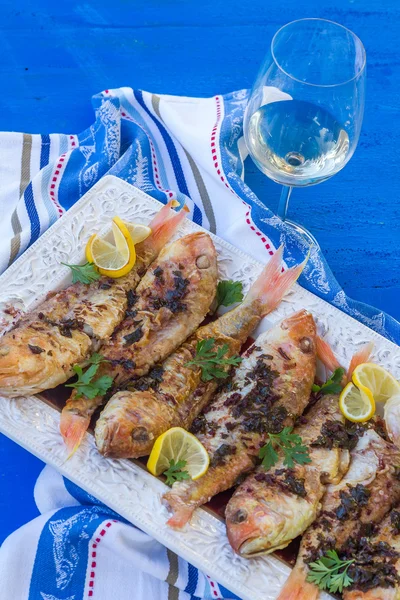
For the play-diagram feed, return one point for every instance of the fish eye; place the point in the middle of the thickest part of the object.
(306, 345)
(140, 434)
(203, 262)
(239, 516)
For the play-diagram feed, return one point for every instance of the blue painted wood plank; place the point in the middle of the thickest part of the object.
(54, 56)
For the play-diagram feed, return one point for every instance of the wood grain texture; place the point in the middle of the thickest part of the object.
(55, 55)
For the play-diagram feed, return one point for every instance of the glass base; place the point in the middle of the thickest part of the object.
(307, 236)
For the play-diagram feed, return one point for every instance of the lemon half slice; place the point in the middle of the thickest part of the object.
(357, 405)
(113, 260)
(137, 231)
(178, 444)
(376, 379)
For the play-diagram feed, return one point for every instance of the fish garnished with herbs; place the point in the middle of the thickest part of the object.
(170, 302)
(269, 390)
(39, 352)
(364, 496)
(281, 498)
(174, 393)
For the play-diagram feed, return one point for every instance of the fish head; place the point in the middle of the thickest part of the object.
(295, 338)
(193, 249)
(252, 526)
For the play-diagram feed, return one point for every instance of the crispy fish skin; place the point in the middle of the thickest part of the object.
(39, 352)
(170, 302)
(269, 509)
(364, 496)
(270, 389)
(132, 420)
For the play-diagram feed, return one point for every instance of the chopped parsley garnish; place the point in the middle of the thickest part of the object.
(210, 361)
(332, 385)
(86, 273)
(229, 292)
(290, 444)
(330, 572)
(176, 472)
(85, 385)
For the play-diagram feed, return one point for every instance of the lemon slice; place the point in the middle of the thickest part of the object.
(178, 444)
(357, 405)
(137, 231)
(113, 260)
(376, 379)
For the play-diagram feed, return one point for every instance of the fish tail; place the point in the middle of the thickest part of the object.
(361, 356)
(298, 588)
(165, 223)
(273, 283)
(326, 355)
(73, 428)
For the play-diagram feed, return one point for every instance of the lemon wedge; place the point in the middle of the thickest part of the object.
(357, 405)
(137, 231)
(178, 444)
(113, 260)
(380, 382)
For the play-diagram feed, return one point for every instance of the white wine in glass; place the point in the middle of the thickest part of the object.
(305, 111)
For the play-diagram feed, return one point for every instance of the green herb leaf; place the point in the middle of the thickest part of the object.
(290, 444)
(332, 385)
(176, 472)
(330, 572)
(229, 292)
(210, 362)
(86, 273)
(85, 386)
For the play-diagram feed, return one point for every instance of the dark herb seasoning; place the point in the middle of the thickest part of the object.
(173, 298)
(131, 298)
(285, 479)
(150, 381)
(221, 453)
(395, 521)
(35, 349)
(135, 336)
(335, 434)
(351, 501)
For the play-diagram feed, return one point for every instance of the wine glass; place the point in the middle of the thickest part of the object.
(305, 111)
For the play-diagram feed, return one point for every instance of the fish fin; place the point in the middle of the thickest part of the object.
(180, 517)
(165, 223)
(298, 588)
(73, 428)
(326, 355)
(361, 356)
(273, 283)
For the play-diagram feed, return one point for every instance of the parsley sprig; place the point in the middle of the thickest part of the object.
(175, 472)
(332, 385)
(229, 292)
(86, 273)
(211, 362)
(291, 445)
(330, 572)
(85, 385)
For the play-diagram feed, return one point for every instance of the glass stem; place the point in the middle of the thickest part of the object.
(284, 202)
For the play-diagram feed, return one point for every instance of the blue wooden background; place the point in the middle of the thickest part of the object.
(55, 55)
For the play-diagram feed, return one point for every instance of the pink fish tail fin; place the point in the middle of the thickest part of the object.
(298, 588)
(165, 223)
(273, 283)
(361, 356)
(181, 512)
(73, 428)
(326, 355)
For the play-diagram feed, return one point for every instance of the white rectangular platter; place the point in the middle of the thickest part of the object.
(121, 484)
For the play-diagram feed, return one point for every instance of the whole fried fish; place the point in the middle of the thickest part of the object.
(170, 302)
(173, 394)
(364, 496)
(39, 351)
(376, 571)
(269, 509)
(269, 390)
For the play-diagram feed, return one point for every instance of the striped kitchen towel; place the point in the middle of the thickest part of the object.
(170, 147)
